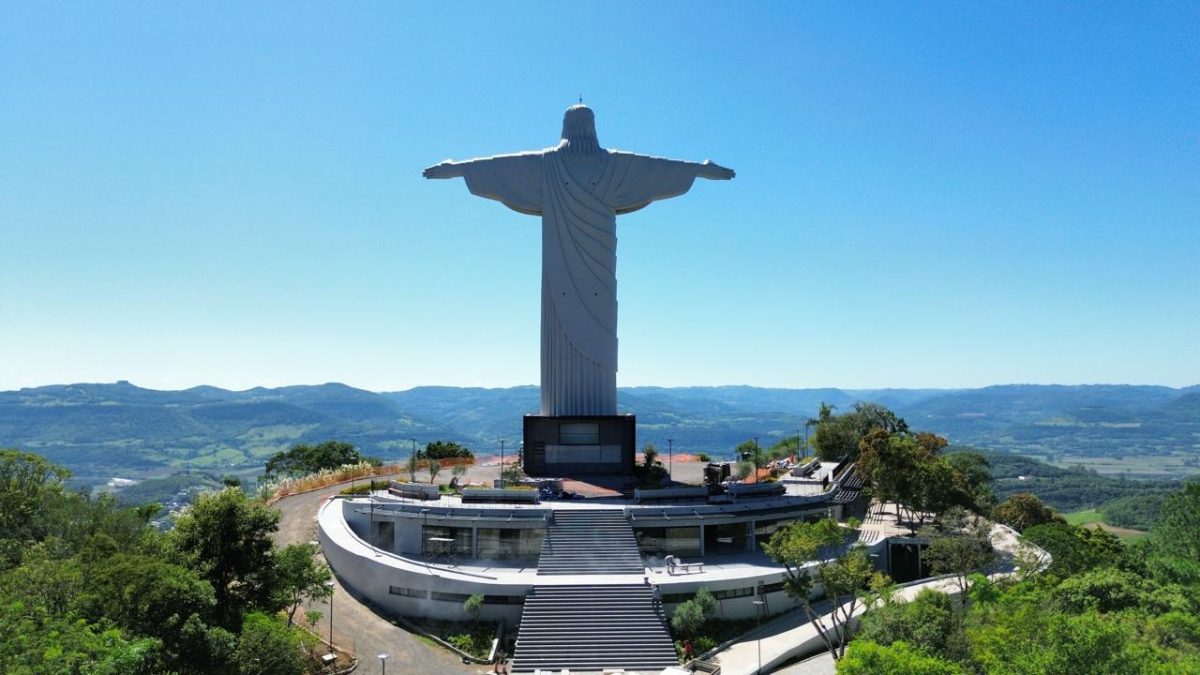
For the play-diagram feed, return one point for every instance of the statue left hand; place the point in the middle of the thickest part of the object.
(713, 171)
(446, 169)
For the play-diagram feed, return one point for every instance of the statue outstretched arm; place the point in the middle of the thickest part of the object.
(447, 169)
(713, 171)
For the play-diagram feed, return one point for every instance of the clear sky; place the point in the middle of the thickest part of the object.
(928, 195)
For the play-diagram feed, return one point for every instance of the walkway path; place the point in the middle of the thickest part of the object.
(356, 627)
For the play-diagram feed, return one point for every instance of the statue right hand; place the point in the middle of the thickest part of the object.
(713, 171)
(446, 169)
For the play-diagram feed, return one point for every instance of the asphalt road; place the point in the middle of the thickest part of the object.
(357, 628)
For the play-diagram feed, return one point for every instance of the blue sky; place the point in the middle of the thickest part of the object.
(930, 195)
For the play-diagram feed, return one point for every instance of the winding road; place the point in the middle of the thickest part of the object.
(356, 627)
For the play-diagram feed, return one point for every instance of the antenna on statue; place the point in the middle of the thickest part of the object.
(581, 99)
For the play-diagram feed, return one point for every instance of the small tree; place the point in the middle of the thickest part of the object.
(961, 547)
(842, 578)
(688, 619)
(300, 576)
(744, 469)
(650, 453)
(1022, 511)
(413, 463)
(706, 601)
(434, 467)
(473, 606)
(512, 473)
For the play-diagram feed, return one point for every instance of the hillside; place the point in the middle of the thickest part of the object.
(106, 430)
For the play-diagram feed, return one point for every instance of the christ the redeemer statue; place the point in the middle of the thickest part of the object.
(579, 189)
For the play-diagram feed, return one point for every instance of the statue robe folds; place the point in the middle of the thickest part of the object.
(578, 196)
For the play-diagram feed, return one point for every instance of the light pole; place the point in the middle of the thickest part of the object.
(758, 605)
(383, 664)
(502, 483)
(331, 587)
(756, 459)
(670, 459)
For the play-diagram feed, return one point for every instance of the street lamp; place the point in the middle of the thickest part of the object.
(670, 459)
(756, 459)
(383, 663)
(331, 586)
(758, 605)
(502, 484)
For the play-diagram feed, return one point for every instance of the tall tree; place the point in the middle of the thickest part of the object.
(226, 537)
(299, 575)
(1023, 511)
(841, 576)
(959, 546)
(1177, 532)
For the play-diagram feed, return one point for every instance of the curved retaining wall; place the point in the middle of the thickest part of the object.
(412, 587)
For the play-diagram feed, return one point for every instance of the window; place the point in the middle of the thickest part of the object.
(725, 538)
(733, 593)
(497, 544)
(438, 540)
(449, 597)
(664, 540)
(579, 434)
(408, 592)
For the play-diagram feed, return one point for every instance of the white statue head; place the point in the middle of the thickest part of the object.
(579, 130)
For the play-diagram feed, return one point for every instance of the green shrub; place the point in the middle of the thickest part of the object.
(703, 457)
(706, 601)
(462, 641)
(473, 606)
(688, 619)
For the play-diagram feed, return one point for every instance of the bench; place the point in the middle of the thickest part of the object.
(477, 495)
(672, 493)
(757, 489)
(674, 563)
(413, 490)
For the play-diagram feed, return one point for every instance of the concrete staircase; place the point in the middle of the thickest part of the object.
(588, 628)
(592, 541)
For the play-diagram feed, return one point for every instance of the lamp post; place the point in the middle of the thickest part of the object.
(502, 483)
(756, 459)
(758, 605)
(383, 663)
(670, 459)
(331, 587)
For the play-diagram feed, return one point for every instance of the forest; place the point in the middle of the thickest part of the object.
(89, 586)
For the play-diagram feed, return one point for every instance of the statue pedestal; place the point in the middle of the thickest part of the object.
(579, 444)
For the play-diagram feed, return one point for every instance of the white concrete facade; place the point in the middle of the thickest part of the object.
(398, 578)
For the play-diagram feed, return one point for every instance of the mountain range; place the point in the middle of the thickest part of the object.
(105, 430)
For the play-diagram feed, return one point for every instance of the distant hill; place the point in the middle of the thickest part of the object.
(105, 430)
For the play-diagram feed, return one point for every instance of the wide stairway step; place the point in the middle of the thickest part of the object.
(590, 541)
(590, 628)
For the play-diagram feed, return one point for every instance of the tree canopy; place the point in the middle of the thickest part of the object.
(303, 459)
(94, 589)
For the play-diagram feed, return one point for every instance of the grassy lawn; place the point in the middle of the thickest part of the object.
(1094, 517)
(1084, 517)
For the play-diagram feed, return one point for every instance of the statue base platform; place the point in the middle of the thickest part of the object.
(579, 444)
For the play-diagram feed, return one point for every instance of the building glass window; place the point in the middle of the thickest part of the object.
(668, 540)
(579, 434)
(497, 544)
(725, 538)
(438, 540)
